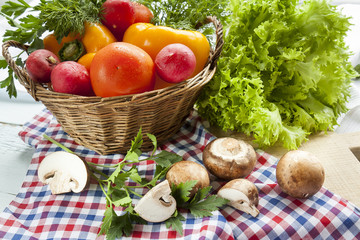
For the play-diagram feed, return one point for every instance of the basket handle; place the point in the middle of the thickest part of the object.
(219, 39)
(20, 72)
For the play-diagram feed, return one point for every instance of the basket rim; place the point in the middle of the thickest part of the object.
(35, 88)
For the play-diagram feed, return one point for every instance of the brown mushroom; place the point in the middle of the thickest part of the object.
(64, 172)
(229, 158)
(185, 171)
(300, 174)
(157, 205)
(242, 194)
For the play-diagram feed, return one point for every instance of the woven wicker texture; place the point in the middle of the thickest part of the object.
(107, 125)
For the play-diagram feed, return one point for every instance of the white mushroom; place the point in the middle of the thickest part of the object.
(300, 174)
(185, 171)
(64, 172)
(157, 205)
(242, 194)
(229, 158)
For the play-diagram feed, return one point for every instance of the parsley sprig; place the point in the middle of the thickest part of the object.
(200, 205)
(120, 189)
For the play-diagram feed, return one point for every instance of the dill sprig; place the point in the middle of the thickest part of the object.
(181, 14)
(68, 16)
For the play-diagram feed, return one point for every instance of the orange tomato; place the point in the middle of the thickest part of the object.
(120, 69)
(86, 60)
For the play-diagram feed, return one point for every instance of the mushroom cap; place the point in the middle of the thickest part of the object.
(64, 172)
(185, 171)
(157, 205)
(229, 158)
(300, 174)
(242, 194)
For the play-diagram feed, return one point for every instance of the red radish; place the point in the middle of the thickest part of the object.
(142, 13)
(118, 15)
(39, 65)
(73, 78)
(175, 63)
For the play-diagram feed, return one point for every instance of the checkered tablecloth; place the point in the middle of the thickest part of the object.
(36, 214)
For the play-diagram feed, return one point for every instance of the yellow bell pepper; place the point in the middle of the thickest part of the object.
(96, 36)
(153, 38)
(86, 60)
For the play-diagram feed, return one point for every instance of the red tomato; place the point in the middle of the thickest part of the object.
(118, 15)
(142, 13)
(121, 68)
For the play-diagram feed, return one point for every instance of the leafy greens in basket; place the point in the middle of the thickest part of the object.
(284, 71)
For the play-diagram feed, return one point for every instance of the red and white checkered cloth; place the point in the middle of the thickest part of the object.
(37, 214)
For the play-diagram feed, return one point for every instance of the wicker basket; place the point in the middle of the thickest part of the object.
(107, 125)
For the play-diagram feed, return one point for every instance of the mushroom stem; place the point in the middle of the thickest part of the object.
(64, 172)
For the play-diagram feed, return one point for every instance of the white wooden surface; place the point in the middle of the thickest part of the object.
(15, 155)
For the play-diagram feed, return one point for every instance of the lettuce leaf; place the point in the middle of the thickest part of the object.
(284, 72)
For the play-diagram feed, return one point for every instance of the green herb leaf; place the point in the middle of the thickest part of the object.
(175, 222)
(202, 204)
(181, 192)
(115, 176)
(134, 153)
(120, 197)
(205, 207)
(154, 142)
(3, 63)
(134, 175)
(132, 156)
(166, 159)
(120, 226)
(109, 214)
(201, 194)
(14, 9)
(159, 173)
(9, 84)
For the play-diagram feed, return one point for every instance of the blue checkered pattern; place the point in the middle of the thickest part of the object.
(36, 214)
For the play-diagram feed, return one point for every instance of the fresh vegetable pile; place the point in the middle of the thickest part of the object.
(103, 48)
(283, 74)
(284, 71)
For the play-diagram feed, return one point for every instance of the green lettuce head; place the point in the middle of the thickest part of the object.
(283, 73)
